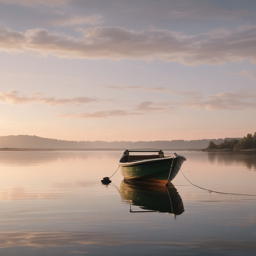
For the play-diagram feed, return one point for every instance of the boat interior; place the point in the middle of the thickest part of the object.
(133, 158)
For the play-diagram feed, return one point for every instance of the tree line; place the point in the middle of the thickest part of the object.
(248, 142)
(35, 142)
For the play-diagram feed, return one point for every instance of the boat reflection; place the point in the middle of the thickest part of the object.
(152, 198)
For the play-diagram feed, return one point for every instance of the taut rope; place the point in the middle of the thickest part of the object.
(209, 190)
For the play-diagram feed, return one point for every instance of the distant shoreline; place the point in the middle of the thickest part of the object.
(241, 151)
(246, 151)
(28, 142)
(92, 149)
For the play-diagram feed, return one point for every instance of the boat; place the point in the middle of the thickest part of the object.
(150, 198)
(154, 168)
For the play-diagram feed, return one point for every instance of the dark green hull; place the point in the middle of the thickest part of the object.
(157, 171)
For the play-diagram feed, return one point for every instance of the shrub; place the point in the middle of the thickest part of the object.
(212, 145)
(247, 142)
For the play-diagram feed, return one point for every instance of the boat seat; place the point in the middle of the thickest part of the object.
(142, 157)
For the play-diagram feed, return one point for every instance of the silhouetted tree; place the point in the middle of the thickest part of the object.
(212, 145)
(228, 144)
(246, 143)
(233, 143)
(254, 140)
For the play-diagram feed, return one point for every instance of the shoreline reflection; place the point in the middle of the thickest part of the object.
(152, 198)
(230, 158)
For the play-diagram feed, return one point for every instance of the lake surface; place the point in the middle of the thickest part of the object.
(53, 203)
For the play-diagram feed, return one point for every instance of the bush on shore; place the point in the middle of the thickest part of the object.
(248, 142)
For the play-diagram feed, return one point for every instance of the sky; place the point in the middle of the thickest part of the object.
(128, 70)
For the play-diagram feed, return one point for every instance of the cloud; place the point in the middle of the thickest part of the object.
(150, 10)
(149, 106)
(116, 43)
(36, 2)
(246, 73)
(11, 41)
(137, 87)
(233, 101)
(99, 114)
(14, 98)
(78, 20)
(139, 109)
(184, 10)
(243, 100)
(195, 10)
(153, 89)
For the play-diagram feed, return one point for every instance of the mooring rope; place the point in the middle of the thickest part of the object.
(170, 172)
(112, 184)
(217, 192)
(115, 172)
(170, 199)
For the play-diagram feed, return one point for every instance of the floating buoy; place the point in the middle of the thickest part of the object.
(106, 181)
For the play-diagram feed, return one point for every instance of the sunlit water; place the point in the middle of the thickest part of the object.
(53, 203)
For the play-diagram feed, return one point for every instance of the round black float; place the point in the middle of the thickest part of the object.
(106, 181)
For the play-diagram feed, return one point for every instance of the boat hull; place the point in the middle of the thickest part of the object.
(159, 171)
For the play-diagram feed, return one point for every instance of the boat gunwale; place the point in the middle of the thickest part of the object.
(149, 160)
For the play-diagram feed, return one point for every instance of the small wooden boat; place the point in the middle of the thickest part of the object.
(152, 198)
(155, 168)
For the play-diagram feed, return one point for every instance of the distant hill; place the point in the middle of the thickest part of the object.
(35, 142)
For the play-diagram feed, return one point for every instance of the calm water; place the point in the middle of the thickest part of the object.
(53, 203)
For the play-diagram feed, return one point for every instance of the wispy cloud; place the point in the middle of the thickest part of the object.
(223, 101)
(242, 100)
(36, 2)
(150, 11)
(140, 109)
(246, 73)
(137, 87)
(14, 98)
(214, 47)
(99, 114)
(195, 10)
(77, 20)
(152, 89)
(232, 101)
(149, 106)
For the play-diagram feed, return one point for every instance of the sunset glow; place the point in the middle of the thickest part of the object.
(127, 70)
